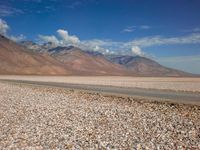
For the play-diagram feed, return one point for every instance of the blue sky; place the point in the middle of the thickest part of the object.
(165, 30)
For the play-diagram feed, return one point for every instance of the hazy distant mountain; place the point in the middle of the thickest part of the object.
(32, 58)
(142, 66)
(15, 59)
(59, 50)
(36, 47)
(94, 53)
(87, 63)
(31, 46)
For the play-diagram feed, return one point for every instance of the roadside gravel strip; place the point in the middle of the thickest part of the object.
(53, 118)
(183, 97)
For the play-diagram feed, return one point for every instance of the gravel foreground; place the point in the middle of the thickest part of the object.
(52, 118)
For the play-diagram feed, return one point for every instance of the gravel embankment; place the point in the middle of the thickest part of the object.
(52, 118)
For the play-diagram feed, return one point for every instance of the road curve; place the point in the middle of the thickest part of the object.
(149, 94)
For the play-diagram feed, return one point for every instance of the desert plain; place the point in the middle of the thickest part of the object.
(39, 117)
(162, 83)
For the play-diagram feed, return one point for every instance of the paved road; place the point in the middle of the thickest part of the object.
(150, 94)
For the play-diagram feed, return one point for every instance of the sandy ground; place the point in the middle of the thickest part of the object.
(177, 84)
(52, 118)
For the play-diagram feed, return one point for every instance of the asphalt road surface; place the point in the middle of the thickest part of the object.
(148, 94)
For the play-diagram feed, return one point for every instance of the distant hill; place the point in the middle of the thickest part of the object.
(142, 66)
(15, 59)
(33, 59)
(37, 48)
(87, 63)
(48, 59)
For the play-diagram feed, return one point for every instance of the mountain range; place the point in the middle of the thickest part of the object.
(29, 58)
(15, 59)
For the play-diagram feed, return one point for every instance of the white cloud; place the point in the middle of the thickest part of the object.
(51, 39)
(96, 48)
(3, 27)
(137, 51)
(144, 42)
(194, 30)
(158, 40)
(107, 51)
(21, 37)
(9, 11)
(118, 46)
(129, 29)
(133, 28)
(97, 45)
(66, 38)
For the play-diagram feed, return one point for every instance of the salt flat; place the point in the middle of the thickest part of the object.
(51, 118)
(169, 83)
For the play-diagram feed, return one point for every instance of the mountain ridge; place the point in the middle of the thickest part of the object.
(31, 58)
(143, 66)
(15, 59)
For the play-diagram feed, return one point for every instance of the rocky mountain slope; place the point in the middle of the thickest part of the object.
(86, 63)
(34, 59)
(142, 66)
(48, 59)
(15, 59)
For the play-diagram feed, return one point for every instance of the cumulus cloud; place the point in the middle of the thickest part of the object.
(19, 38)
(102, 46)
(51, 39)
(137, 51)
(107, 46)
(96, 48)
(3, 27)
(66, 38)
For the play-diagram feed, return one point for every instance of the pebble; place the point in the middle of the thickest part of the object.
(51, 118)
